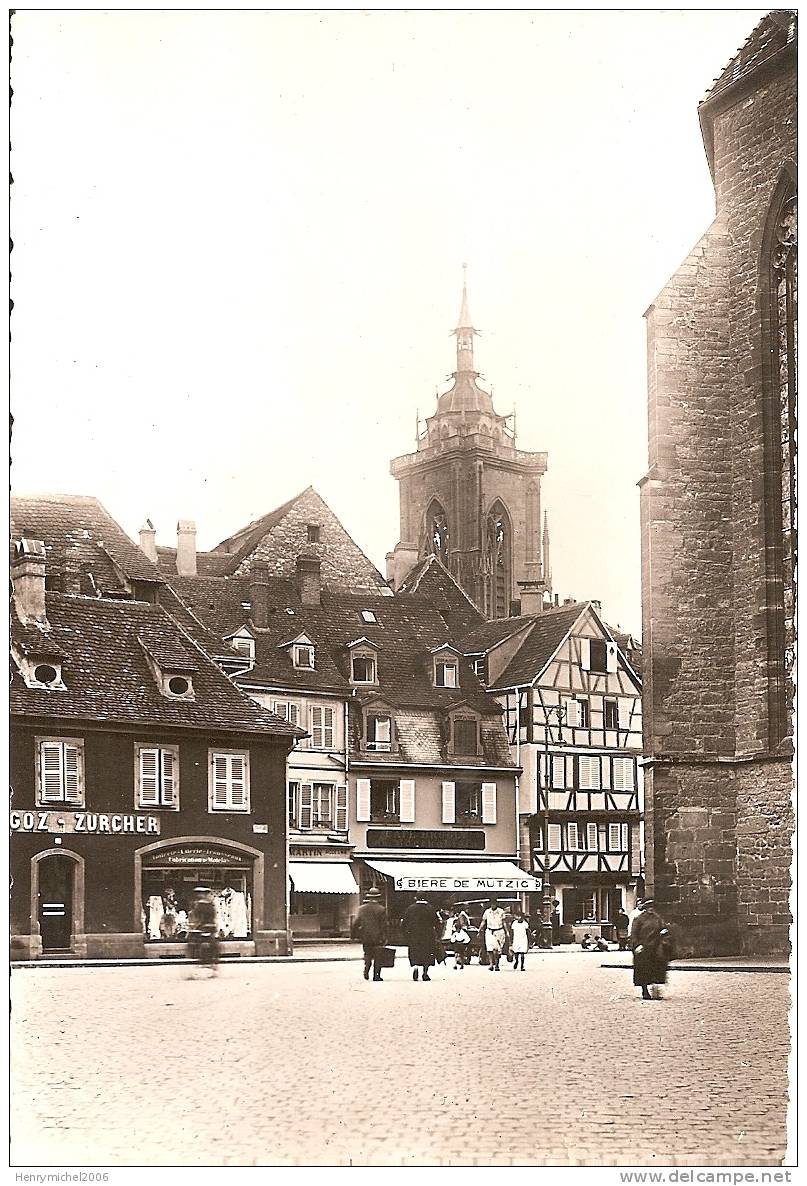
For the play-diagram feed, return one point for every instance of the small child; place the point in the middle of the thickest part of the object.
(460, 940)
(520, 943)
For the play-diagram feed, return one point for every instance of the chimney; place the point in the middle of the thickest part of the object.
(557, 599)
(28, 581)
(71, 574)
(186, 548)
(259, 593)
(148, 541)
(309, 579)
(532, 596)
(597, 607)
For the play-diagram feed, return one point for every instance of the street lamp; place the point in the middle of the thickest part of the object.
(559, 711)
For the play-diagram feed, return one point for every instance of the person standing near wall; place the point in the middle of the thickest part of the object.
(370, 928)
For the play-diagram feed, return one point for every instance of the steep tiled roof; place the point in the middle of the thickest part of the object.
(101, 545)
(107, 674)
(430, 579)
(772, 34)
(546, 635)
(490, 634)
(208, 564)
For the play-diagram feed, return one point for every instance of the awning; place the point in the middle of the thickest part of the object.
(465, 876)
(322, 877)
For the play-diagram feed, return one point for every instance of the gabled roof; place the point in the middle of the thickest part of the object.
(548, 632)
(490, 634)
(80, 522)
(431, 580)
(774, 33)
(107, 677)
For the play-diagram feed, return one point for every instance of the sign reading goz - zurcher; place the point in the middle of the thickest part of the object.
(83, 821)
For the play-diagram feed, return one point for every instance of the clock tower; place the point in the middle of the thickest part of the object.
(471, 497)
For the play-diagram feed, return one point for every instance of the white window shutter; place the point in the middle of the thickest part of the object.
(585, 654)
(449, 803)
(407, 800)
(292, 792)
(613, 837)
(624, 710)
(340, 816)
(50, 771)
(363, 800)
(488, 802)
(306, 804)
(591, 837)
(589, 772)
(220, 780)
(238, 781)
(316, 726)
(611, 657)
(149, 770)
(73, 791)
(573, 837)
(169, 778)
(573, 713)
(554, 837)
(558, 772)
(327, 728)
(625, 837)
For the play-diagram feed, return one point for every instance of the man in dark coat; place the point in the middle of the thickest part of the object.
(421, 927)
(652, 950)
(370, 928)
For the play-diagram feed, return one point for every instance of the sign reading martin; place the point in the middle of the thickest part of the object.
(83, 821)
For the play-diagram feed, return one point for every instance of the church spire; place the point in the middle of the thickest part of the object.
(465, 331)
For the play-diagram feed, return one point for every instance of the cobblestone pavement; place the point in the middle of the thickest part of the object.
(308, 1064)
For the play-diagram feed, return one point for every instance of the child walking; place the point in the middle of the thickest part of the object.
(460, 939)
(520, 942)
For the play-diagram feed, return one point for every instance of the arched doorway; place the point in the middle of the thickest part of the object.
(57, 902)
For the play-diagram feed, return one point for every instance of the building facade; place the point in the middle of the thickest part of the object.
(470, 497)
(138, 772)
(572, 701)
(718, 527)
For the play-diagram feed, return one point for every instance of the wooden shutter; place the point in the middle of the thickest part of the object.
(238, 781)
(316, 726)
(291, 805)
(625, 837)
(449, 803)
(50, 771)
(327, 728)
(613, 837)
(149, 790)
(340, 811)
(611, 657)
(363, 800)
(220, 781)
(573, 714)
(573, 837)
(559, 772)
(589, 772)
(554, 837)
(73, 790)
(624, 710)
(591, 837)
(585, 654)
(488, 802)
(623, 774)
(306, 804)
(169, 778)
(407, 800)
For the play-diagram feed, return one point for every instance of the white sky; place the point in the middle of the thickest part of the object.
(238, 247)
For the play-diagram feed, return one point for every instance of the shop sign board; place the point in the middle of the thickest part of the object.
(489, 884)
(193, 854)
(97, 823)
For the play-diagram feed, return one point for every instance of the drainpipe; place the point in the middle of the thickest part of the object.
(518, 786)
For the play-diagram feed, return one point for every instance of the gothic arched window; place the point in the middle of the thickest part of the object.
(497, 561)
(437, 533)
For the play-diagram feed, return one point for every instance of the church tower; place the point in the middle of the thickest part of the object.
(472, 498)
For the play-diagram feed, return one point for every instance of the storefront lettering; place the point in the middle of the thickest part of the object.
(521, 884)
(83, 821)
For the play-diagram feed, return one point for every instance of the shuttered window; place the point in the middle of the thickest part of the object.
(591, 837)
(157, 773)
(614, 837)
(322, 804)
(306, 805)
(488, 802)
(340, 814)
(407, 800)
(465, 736)
(625, 708)
(61, 771)
(229, 780)
(558, 772)
(363, 800)
(624, 774)
(553, 832)
(611, 720)
(573, 837)
(288, 711)
(449, 803)
(293, 792)
(321, 727)
(589, 772)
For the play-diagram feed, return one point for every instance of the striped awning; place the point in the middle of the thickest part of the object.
(322, 877)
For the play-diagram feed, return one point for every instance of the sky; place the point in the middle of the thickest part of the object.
(238, 248)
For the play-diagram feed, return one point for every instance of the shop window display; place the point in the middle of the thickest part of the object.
(168, 895)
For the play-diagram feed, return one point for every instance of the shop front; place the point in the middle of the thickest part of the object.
(323, 897)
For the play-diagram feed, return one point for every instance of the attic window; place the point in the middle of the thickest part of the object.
(178, 685)
(312, 533)
(598, 655)
(303, 656)
(367, 615)
(363, 669)
(245, 646)
(445, 674)
(44, 673)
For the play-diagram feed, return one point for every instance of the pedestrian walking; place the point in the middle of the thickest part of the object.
(460, 942)
(494, 927)
(421, 927)
(370, 929)
(622, 928)
(555, 920)
(652, 951)
(520, 941)
(203, 940)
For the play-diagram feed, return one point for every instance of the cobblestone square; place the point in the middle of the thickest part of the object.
(306, 1063)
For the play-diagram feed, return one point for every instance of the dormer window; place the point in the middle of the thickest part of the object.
(445, 673)
(303, 655)
(379, 733)
(465, 736)
(244, 643)
(177, 687)
(42, 673)
(171, 666)
(363, 669)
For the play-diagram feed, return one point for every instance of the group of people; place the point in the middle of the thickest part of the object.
(431, 934)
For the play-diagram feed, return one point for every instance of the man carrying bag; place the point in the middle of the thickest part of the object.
(370, 929)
